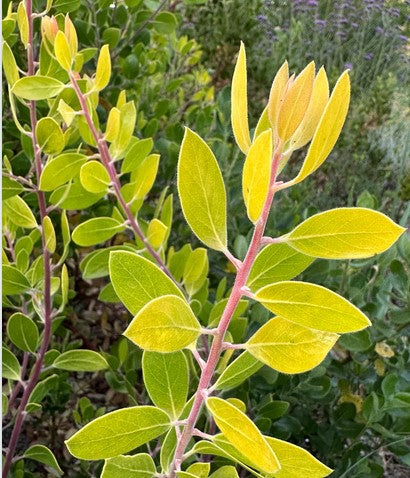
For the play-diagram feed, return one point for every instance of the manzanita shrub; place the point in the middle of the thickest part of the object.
(193, 354)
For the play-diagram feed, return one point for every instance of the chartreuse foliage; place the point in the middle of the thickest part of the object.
(188, 342)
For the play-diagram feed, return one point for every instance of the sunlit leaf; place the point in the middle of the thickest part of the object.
(129, 466)
(96, 230)
(103, 71)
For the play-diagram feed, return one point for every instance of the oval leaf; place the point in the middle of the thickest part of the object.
(202, 191)
(238, 371)
(345, 233)
(243, 434)
(19, 213)
(43, 455)
(10, 367)
(313, 306)
(13, 281)
(137, 280)
(103, 71)
(37, 87)
(96, 230)
(23, 332)
(49, 136)
(94, 177)
(135, 466)
(289, 347)
(80, 361)
(118, 432)
(256, 175)
(61, 169)
(166, 324)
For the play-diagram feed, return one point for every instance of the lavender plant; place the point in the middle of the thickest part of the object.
(165, 290)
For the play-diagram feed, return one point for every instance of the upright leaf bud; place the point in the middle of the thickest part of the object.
(71, 35)
(49, 28)
(276, 96)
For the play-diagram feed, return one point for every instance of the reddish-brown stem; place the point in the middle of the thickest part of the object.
(218, 341)
(33, 379)
(108, 163)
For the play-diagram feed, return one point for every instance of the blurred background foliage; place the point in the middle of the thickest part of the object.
(175, 59)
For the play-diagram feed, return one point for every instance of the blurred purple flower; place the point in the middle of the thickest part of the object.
(368, 56)
(348, 66)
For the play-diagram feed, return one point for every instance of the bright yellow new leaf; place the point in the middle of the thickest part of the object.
(263, 123)
(256, 175)
(239, 103)
(113, 124)
(22, 22)
(295, 103)
(312, 306)
(276, 95)
(289, 347)
(71, 35)
(62, 51)
(165, 324)
(328, 130)
(243, 434)
(317, 104)
(103, 71)
(345, 233)
(156, 233)
(295, 461)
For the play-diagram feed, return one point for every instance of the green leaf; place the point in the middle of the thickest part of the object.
(10, 367)
(61, 169)
(289, 347)
(256, 175)
(275, 263)
(103, 71)
(142, 178)
(96, 230)
(156, 233)
(345, 233)
(199, 470)
(13, 281)
(74, 196)
(118, 432)
(136, 154)
(94, 177)
(295, 461)
(19, 213)
(113, 124)
(243, 434)
(43, 388)
(166, 324)
(202, 191)
(239, 103)
(23, 332)
(226, 471)
(238, 371)
(128, 116)
(37, 87)
(49, 234)
(166, 379)
(137, 281)
(4, 404)
(43, 455)
(49, 136)
(313, 306)
(135, 466)
(196, 270)
(95, 264)
(9, 65)
(80, 361)
(10, 187)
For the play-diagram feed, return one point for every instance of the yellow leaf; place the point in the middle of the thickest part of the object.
(113, 125)
(243, 434)
(67, 113)
(71, 35)
(256, 175)
(344, 233)
(263, 123)
(295, 461)
(312, 305)
(103, 72)
(239, 103)
(380, 367)
(239, 404)
(62, 51)
(289, 347)
(328, 130)
(49, 234)
(276, 95)
(384, 350)
(295, 103)
(156, 233)
(317, 104)
(165, 324)
(22, 22)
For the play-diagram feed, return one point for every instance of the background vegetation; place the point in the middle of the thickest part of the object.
(175, 60)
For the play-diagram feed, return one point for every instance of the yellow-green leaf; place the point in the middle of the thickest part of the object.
(256, 175)
(295, 103)
(9, 65)
(71, 35)
(239, 103)
(166, 324)
(263, 123)
(96, 230)
(18, 212)
(243, 434)
(103, 72)
(276, 95)
(276, 262)
(202, 191)
(64, 285)
(289, 347)
(61, 169)
(295, 461)
(37, 87)
(128, 116)
(317, 104)
(94, 177)
(345, 233)
(118, 432)
(22, 22)
(313, 306)
(143, 178)
(328, 130)
(113, 125)
(67, 113)
(49, 136)
(156, 233)
(129, 466)
(49, 234)
(62, 51)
